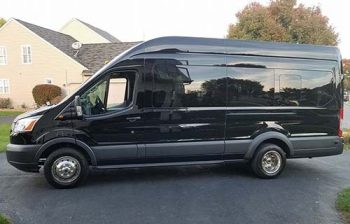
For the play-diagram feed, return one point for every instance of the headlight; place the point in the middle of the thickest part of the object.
(25, 124)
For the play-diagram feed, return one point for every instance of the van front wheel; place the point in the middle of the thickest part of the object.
(269, 161)
(66, 168)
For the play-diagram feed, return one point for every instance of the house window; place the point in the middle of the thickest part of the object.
(4, 86)
(26, 54)
(3, 56)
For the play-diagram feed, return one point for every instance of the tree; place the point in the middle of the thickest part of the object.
(346, 67)
(346, 70)
(283, 20)
(2, 22)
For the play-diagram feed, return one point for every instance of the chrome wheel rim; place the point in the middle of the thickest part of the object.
(271, 162)
(66, 169)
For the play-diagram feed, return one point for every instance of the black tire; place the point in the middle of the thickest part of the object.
(72, 161)
(257, 163)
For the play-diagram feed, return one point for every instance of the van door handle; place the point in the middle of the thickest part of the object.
(132, 119)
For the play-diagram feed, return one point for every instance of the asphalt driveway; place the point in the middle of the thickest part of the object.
(6, 119)
(304, 193)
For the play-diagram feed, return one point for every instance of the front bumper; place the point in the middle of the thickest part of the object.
(23, 157)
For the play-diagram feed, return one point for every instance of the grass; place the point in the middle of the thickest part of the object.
(10, 113)
(347, 147)
(343, 204)
(4, 136)
(346, 136)
(4, 220)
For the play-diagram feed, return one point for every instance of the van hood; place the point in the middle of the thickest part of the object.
(39, 111)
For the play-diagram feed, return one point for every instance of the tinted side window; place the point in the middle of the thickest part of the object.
(169, 84)
(208, 87)
(289, 91)
(305, 88)
(178, 85)
(250, 86)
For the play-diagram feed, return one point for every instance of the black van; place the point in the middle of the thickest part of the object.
(184, 100)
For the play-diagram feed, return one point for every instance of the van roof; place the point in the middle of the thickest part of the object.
(237, 47)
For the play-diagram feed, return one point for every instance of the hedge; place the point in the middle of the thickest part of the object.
(44, 93)
(5, 103)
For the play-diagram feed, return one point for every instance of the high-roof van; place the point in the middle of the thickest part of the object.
(184, 100)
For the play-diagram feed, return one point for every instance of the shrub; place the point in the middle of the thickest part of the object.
(57, 99)
(346, 136)
(44, 93)
(5, 103)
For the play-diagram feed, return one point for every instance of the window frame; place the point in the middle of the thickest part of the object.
(2, 84)
(4, 50)
(29, 56)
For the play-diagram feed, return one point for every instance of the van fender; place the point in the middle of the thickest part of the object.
(266, 136)
(55, 141)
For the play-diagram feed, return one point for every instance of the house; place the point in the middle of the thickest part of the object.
(31, 55)
(86, 33)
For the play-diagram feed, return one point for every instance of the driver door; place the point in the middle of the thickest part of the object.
(111, 121)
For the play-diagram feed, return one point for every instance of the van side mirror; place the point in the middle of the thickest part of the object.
(77, 105)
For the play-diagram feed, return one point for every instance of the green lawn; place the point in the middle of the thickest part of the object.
(4, 220)
(343, 204)
(347, 147)
(10, 113)
(4, 136)
(346, 136)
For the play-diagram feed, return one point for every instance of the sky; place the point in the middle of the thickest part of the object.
(137, 20)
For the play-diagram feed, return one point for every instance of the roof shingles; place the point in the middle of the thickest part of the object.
(102, 33)
(59, 40)
(92, 56)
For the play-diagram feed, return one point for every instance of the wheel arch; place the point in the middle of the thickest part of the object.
(54, 144)
(270, 137)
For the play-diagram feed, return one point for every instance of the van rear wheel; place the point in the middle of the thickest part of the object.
(269, 161)
(66, 168)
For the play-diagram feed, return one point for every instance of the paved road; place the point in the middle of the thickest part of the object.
(304, 193)
(6, 119)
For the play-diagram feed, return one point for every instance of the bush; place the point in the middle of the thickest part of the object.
(45, 93)
(57, 99)
(5, 103)
(346, 136)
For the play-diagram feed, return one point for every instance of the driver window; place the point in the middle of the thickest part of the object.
(111, 94)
